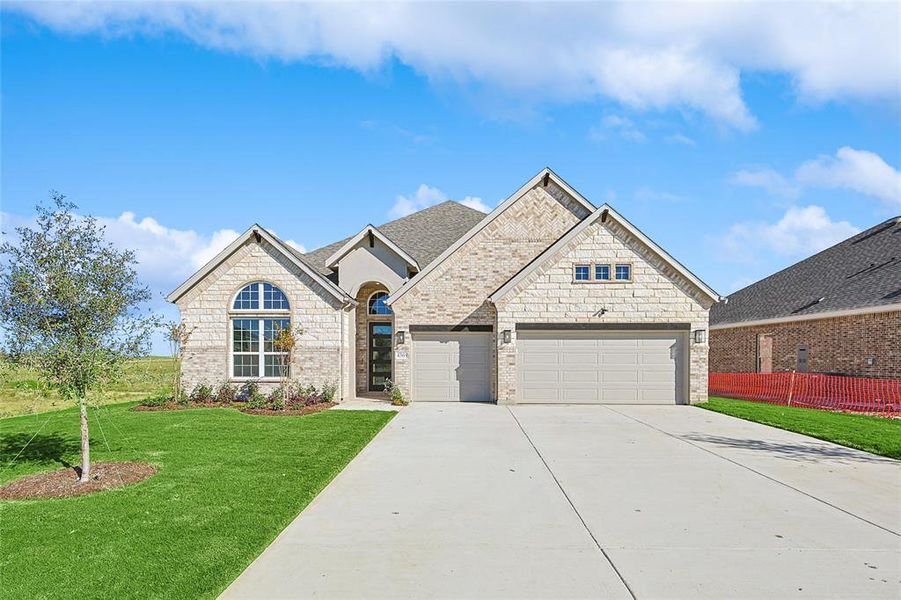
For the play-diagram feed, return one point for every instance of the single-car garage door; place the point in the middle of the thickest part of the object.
(600, 367)
(451, 367)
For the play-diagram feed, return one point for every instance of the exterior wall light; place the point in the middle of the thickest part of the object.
(399, 336)
(700, 336)
(507, 336)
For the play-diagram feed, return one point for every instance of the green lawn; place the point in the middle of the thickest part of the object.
(878, 435)
(227, 484)
(22, 393)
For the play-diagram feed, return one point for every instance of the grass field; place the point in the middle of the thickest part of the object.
(22, 393)
(227, 484)
(878, 435)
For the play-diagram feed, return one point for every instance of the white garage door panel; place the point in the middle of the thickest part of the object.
(451, 367)
(600, 367)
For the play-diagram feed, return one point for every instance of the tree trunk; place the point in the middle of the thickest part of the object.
(85, 442)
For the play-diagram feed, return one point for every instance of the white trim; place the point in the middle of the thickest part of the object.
(334, 258)
(833, 314)
(484, 223)
(277, 244)
(575, 231)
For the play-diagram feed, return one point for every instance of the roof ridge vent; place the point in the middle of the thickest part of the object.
(884, 227)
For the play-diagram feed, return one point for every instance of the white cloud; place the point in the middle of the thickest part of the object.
(860, 171)
(427, 196)
(768, 179)
(800, 232)
(617, 125)
(476, 203)
(857, 170)
(683, 56)
(678, 138)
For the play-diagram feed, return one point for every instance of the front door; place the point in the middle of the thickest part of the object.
(379, 355)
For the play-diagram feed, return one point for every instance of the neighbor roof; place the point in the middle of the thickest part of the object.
(423, 235)
(861, 272)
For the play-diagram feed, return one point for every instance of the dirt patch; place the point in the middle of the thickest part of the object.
(306, 410)
(64, 483)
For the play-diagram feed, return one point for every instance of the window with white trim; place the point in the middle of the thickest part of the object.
(623, 272)
(602, 272)
(253, 335)
(582, 272)
(377, 304)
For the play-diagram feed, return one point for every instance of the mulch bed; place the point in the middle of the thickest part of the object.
(313, 408)
(288, 412)
(63, 483)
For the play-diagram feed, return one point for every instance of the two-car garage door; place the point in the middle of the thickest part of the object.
(600, 367)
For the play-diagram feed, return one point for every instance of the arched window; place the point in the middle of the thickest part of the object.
(264, 308)
(377, 304)
(249, 297)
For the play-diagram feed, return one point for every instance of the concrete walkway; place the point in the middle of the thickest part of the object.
(480, 501)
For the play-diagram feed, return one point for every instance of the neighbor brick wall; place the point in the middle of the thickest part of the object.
(838, 345)
(457, 291)
(205, 308)
(656, 294)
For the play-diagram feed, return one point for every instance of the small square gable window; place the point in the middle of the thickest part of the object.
(582, 272)
(623, 272)
(602, 272)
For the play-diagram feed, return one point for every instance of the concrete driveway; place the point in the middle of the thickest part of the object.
(481, 501)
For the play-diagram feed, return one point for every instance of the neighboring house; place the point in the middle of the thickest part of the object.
(546, 299)
(838, 312)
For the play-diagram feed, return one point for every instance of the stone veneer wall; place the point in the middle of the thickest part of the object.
(361, 343)
(837, 345)
(456, 293)
(656, 294)
(205, 307)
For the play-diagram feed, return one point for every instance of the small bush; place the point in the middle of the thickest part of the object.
(328, 391)
(182, 398)
(397, 396)
(248, 390)
(158, 400)
(276, 400)
(225, 394)
(202, 393)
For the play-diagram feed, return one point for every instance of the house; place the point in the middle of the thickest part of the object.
(546, 299)
(836, 312)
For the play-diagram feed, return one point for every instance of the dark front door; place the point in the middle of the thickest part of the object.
(379, 355)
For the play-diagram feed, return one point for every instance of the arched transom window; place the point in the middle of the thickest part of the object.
(377, 304)
(259, 311)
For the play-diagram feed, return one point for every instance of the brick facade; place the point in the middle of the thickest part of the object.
(456, 293)
(656, 294)
(837, 345)
(205, 308)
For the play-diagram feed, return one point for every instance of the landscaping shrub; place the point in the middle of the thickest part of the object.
(276, 400)
(225, 394)
(157, 400)
(396, 395)
(328, 391)
(202, 393)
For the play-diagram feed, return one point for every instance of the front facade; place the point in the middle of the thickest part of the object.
(547, 299)
(837, 312)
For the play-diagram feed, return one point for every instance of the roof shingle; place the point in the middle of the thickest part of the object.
(424, 235)
(862, 271)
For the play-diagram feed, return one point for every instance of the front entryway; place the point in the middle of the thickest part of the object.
(380, 336)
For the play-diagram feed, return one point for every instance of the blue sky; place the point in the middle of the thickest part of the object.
(735, 145)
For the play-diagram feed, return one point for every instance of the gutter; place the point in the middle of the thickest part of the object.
(834, 314)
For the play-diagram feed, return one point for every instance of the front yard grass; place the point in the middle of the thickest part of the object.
(878, 435)
(227, 484)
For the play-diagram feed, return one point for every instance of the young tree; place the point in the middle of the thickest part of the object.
(69, 305)
(284, 342)
(179, 335)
